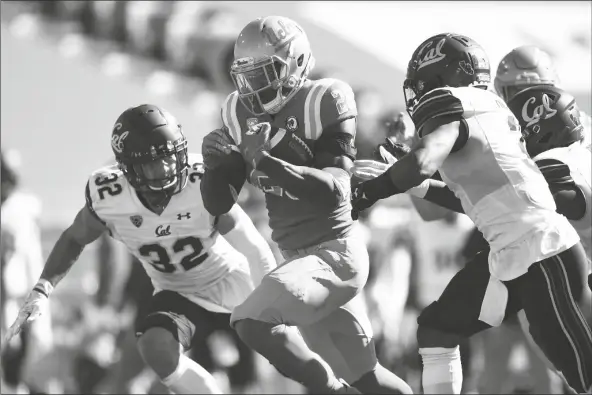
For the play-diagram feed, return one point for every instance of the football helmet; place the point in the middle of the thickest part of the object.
(549, 118)
(524, 67)
(272, 59)
(150, 149)
(446, 59)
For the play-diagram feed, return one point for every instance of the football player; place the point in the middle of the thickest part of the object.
(528, 66)
(536, 262)
(293, 138)
(150, 201)
(550, 121)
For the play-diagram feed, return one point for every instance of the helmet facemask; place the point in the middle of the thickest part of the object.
(266, 86)
(164, 170)
(267, 75)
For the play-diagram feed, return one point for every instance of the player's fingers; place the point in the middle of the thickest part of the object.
(387, 155)
(215, 141)
(216, 149)
(366, 173)
(370, 164)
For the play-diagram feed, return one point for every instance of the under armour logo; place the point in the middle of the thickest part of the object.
(181, 216)
(358, 194)
(162, 231)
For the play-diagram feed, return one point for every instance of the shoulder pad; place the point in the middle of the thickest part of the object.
(103, 186)
(229, 116)
(329, 101)
(436, 103)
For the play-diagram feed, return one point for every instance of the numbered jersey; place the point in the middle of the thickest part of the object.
(180, 249)
(571, 164)
(318, 104)
(499, 185)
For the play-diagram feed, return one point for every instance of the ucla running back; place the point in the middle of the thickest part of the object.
(150, 201)
(535, 262)
(293, 137)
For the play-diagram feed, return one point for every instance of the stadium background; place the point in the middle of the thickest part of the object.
(69, 68)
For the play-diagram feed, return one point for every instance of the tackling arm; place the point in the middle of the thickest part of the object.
(238, 229)
(425, 158)
(85, 229)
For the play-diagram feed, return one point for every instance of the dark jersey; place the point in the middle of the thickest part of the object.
(318, 104)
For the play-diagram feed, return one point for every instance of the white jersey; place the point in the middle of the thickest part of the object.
(499, 185)
(579, 161)
(180, 249)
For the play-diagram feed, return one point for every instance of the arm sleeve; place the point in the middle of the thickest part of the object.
(569, 199)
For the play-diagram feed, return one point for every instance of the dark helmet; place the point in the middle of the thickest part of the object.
(549, 118)
(445, 60)
(151, 149)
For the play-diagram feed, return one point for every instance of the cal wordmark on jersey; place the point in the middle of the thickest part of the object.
(179, 249)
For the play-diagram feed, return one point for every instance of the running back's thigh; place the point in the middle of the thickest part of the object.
(345, 340)
(307, 288)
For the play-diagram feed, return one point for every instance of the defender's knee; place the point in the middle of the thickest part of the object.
(160, 350)
(429, 337)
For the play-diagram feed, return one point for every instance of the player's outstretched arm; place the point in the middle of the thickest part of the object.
(238, 229)
(224, 174)
(85, 229)
(441, 137)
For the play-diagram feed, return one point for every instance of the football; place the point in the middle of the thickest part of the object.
(289, 147)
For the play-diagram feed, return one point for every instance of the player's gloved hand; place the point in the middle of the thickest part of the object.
(391, 147)
(35, 304)
(366, 169)
(258, 140)
(216, 146)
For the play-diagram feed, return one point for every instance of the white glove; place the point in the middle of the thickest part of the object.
(367, 169)
(35, 304)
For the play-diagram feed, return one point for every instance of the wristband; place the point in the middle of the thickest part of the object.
(44, 287)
